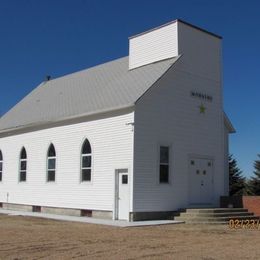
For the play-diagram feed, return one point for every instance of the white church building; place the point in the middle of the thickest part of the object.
(135, 138)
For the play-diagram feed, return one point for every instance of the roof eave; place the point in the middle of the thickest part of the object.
(229, 125)
(172, 65)
(44, 123)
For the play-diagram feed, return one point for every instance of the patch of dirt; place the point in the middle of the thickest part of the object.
(34, 238)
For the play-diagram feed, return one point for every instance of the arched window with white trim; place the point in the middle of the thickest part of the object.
(86, 161)
(51, 163)
(23, 165)
(1, 165)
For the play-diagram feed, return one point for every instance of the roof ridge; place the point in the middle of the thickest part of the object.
(89, 68)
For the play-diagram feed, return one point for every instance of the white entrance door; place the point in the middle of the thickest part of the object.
(122, 195)
(201, 181)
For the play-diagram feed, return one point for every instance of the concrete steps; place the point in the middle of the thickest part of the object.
(216, 210)
(214, 215)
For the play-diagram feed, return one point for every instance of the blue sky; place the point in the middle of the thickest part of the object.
(54, 37)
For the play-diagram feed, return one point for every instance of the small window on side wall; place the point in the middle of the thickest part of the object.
(164, 164)
(86, 162)
(51, 163)
(1, 166)
(124, 179)
(23, 165)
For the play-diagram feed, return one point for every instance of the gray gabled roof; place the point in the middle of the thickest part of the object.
(101, 88)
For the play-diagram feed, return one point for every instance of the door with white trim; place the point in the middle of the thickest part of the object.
(122, 195)
(201, 181)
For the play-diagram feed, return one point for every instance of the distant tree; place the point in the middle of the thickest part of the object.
(237, 183)
(247, 189)
(254, 182)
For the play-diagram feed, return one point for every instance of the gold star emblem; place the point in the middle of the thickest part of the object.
(202, 109)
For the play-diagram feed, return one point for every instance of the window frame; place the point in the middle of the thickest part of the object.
(47, 165)
(82, 155)
(20, 164)
(169, 146)
(1, 169)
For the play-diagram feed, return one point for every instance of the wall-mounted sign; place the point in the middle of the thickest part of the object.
(200, 95)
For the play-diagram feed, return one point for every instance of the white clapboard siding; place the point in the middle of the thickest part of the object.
(202, 52)
(149, 47)
(168, 115)
(112, 146)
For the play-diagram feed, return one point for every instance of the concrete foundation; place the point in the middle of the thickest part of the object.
(102, 214)
(61, 211)
(18, 207)
(156, 215)
(58, 211)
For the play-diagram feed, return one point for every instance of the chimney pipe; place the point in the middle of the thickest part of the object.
(47, 78)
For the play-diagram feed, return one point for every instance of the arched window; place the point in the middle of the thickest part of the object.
(86, 161)
(51, 163)
(1, 165)
(23, 165)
